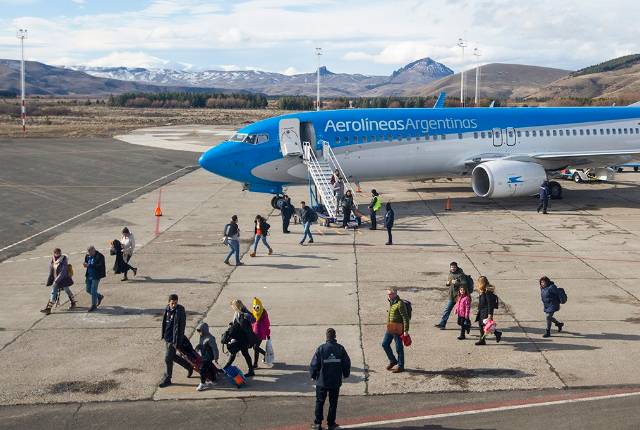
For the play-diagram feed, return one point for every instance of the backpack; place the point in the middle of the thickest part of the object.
(562, 296)
(469, 284)
(408, 307)
(70, 271)
(496, 301)
(313, 215)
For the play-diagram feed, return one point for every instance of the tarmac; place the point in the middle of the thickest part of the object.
(588, 244)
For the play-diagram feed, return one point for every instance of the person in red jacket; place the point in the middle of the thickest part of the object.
(463, 310)
(261, 328)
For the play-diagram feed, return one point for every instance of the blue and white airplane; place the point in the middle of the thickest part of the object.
(506, 151)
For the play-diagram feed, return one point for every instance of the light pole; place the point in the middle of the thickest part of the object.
(476, 53)
(22, 34)
(462, 44)
(318, 54)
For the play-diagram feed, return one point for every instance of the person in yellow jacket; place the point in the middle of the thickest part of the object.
(374, 207)
(397, 324)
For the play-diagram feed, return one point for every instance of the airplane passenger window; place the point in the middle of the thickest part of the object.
(619, 131)
(560, 132)
(581, 132)
(526, 133)
(625, 131)
(602, 131)
(595, 131)
(588, 133)
(575, 132)
(555, 133)
(489, 134)
(435, 137)
(459, 135)
(337, 140)
(613, 131)
(533, 133)
(355, 139)
(364, 139)
(389, 137)
(519, 133)
(372, 138)
(548, 133)
(444, 136)
(345, 140)
(608, 131)
(637, 130)
(483, 134)
(568, 132)
(475, 135)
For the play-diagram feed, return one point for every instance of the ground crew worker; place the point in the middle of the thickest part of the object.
(545, 193)
(329, 365)
(374, 207)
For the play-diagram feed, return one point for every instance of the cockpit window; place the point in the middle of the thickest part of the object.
(252, 139)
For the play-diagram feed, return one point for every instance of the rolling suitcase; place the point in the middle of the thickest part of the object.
(235, 375)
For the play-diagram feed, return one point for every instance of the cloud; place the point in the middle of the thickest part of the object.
(129, 59)
(80, 2)
(290, 71)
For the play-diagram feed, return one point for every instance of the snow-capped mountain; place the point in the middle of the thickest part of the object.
(335, 84)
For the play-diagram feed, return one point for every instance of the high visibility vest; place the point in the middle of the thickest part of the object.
(378, 204)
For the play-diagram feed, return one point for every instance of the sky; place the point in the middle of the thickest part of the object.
(373, 37)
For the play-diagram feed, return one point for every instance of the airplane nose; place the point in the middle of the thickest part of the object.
(220, 159)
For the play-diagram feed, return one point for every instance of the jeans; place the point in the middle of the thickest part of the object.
(543, 205)
(55, 292)
(92, 289)
(447, 311)
(321, 396)
(389, 234)
(386, 345)
(234, 246)
(257, 239)
(346, 215)
(307, 232)
(374, 221)
(169, 357)
(551, 319)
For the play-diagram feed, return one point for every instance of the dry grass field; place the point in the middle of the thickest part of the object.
(51, 118)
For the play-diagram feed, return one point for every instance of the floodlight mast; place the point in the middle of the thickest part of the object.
(22, 34)
(318, 54)
(462, 44)
(477, 54)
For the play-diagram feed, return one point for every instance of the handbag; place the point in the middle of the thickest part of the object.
(269, 355)
(406, 340)
(395, 328)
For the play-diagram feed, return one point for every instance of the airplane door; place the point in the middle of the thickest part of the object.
(289, 134)
(497, 137)
(510, 136)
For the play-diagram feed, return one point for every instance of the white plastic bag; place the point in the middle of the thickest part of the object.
(269, 356)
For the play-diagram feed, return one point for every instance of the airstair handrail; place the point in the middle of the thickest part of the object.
(327, 151)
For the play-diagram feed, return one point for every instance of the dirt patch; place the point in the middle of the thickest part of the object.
(124, 370)
(411, 289)
(431, 273)
(618, 300)
(100, 387)
(633, 320)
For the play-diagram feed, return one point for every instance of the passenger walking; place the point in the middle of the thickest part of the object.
(120, 265)
(374, 207)
(60, 278)
(545, 194)
(307, 216)
(463, 310)
(329, 365)
(232, 240)
(174, 322)
(96, 269)
(389, 218)
(261, 328)
(128, 246)
(397, 325)
(550, 295)
(347, 207)
(209, 352)
(239, 337)
(338, 187)
(286, 211)
(261, 230)
(456, 279)
(487, 303)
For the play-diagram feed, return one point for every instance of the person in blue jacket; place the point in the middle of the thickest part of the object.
(551, 300)
(545, 194)
(329, 365)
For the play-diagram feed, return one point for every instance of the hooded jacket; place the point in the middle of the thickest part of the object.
(120, 266)
(207, 345)
(262, 326)
(550, 298)
(463, 306)
(59, 276)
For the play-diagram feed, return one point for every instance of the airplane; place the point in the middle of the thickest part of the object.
(507, 152)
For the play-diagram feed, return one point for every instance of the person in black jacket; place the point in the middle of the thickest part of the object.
(286, 211)
(306, 217)
(551, 300)
(347, 207)
(95, 265)
(329, 365)
(545, 193)
(240, 335)
(487, 303)
(174, 322)
(389, 219)
(260, 230)
(121, 265)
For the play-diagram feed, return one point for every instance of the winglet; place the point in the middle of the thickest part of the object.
(493, 103)
(441, 99)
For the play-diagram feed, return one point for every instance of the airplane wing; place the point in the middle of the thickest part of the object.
(562, 160)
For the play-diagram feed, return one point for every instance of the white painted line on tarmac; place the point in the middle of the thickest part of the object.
(488, 410)
(91, 210)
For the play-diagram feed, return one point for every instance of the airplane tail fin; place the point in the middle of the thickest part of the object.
(441, 99)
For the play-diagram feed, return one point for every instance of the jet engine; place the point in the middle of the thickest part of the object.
(507, 178)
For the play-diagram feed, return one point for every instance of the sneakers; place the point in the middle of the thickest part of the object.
(392, 365)
(310, 240)
(201, 387)
(398, 370)
(334, 427)
(547, 334)
(165, 383)
(560, 325)
(315, 426)
(227, 262)
(461, 337)
(100, 297)
(92, 309)
(440, 326)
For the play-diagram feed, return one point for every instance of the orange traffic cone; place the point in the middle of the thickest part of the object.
(158, 211)
(447, 204)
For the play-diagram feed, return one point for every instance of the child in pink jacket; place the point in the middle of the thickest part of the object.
(261, 328)
(463, 310)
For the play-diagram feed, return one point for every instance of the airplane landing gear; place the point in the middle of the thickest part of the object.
(276, 201)
(555, 190)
